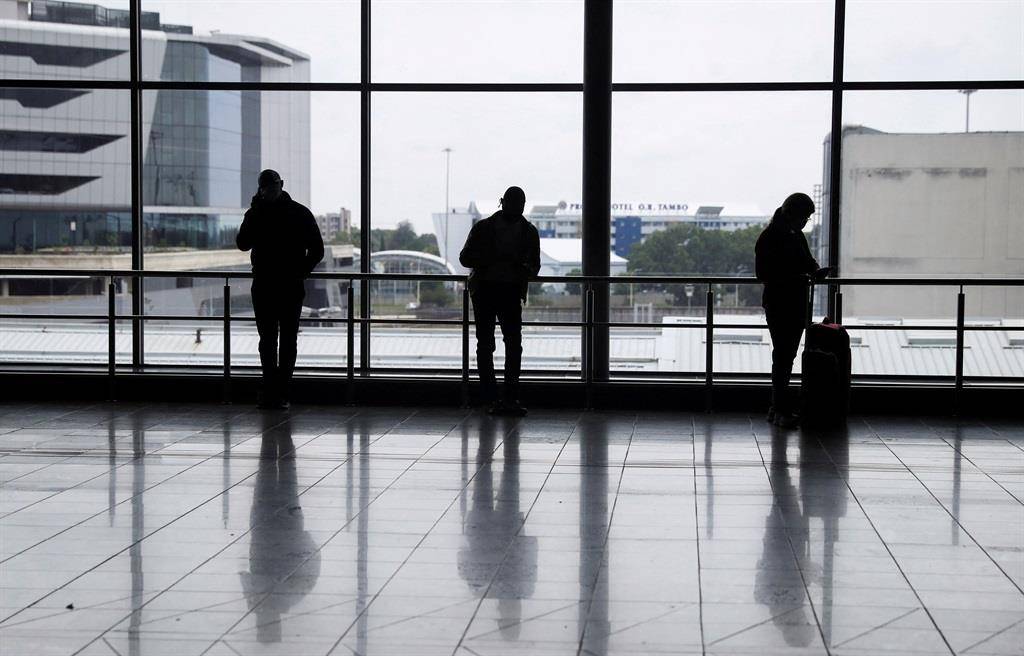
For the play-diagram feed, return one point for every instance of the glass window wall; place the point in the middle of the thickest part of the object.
(720, 109)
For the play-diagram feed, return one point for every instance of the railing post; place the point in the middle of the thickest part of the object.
(350, 369)
(709, 349)
(587, 347)
(227, 341)
(465, 345)
(959, 380)
(111, 338)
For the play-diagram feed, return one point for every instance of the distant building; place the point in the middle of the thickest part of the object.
(932, 205)
(333, 224)
(561, 257)
(65, 160)
(631, 222)
(65, 152)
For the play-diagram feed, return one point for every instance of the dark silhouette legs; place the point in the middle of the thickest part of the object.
(278, 307)
(785, 325)
(498, 302)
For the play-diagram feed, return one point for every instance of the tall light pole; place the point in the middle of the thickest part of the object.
(447, 180)
(967, 94)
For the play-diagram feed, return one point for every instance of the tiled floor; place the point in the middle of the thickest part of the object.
(152, 530)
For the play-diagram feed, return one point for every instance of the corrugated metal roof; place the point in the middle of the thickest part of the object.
(890, 352)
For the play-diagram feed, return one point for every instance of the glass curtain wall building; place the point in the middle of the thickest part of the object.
(133, 130)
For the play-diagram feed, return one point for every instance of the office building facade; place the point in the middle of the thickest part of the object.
(65, 160)
(631, 223)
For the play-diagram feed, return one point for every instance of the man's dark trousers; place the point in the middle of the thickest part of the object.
(785, 325)
(498, 301)
(278, 305)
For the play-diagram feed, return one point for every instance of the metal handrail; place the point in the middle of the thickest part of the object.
(975, 281)
(588, 322)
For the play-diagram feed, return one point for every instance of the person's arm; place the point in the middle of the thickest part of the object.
(472, 255)
(314, 243)
(532, 262)
(810, 265)
(246, 237)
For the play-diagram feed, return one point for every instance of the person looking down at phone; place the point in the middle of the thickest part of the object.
(783, 262)
(285, 244)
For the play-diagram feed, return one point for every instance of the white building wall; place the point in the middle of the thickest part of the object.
(935, 205)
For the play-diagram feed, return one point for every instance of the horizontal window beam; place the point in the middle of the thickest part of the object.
(517, 87)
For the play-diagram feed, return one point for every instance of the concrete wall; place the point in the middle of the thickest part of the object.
(932, 205)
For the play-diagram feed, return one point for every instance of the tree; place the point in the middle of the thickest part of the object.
(400, 238)
(573, 288)
(433, 293)
(686, 249)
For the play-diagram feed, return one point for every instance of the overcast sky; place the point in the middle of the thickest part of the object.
(751, 148)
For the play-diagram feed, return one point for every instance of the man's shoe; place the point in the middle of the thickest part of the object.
(787, 420)
(283, 404)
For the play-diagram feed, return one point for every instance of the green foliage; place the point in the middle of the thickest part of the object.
(686, 249)
(574, 288)
(433, 293)
(401, 238)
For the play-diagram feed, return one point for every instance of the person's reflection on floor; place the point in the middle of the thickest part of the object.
(778, 584)
(279, 548)
(492, 531)
(824, 495)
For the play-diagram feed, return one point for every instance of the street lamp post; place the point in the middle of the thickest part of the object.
(447, 204)
(967, 94)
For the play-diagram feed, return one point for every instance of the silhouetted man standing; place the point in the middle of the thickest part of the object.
(286, 245)
(785, 265)
(503, 252)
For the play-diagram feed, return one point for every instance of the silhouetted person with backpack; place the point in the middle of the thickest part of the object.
(286, 245)
(784, 263)
(503, 252)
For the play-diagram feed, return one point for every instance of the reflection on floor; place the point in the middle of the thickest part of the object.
(220, 530)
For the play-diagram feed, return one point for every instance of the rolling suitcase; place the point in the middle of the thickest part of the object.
(825, 374)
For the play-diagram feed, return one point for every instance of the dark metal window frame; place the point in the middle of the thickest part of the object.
(597, 89)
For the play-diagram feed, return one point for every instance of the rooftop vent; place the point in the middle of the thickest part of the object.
(739, 338)
(933, 339)
(709, 210)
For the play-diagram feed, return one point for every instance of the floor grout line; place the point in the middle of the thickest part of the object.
(885, 544)
(343, 462)
(508, 547)
(607, 531)
(696, 520)
(861, 587)
(776, 434)
(227, 546)
(955, 518)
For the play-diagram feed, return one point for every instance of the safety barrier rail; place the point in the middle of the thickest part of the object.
(589, 323)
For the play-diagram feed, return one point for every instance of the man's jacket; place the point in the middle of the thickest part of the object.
(783, 262)
(482, 250)
(284, 239)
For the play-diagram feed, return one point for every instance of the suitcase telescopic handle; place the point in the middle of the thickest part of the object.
(809, 310)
